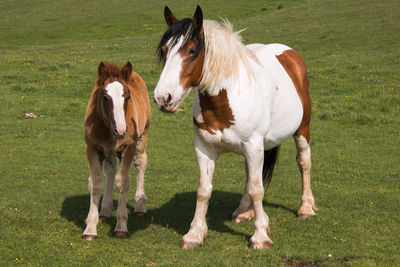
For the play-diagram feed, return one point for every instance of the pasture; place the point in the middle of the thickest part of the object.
(49, 53)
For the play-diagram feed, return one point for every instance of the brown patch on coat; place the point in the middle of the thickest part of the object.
(192, 68)
(297, 71)
(216, 112)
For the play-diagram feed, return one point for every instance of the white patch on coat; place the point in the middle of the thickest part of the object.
(169, 82)
(115, 90)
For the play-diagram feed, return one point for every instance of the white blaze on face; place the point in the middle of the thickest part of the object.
(169, 82)
(115, 90)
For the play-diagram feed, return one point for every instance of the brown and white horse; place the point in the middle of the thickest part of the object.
(116, 125)
(247, 100)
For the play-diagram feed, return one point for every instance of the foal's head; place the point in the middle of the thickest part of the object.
(181, 50)
(113, 95)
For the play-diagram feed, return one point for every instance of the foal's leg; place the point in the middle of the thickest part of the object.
(140, 162)
(95, 189)
(245, 211)
(198, 227)
(110, 165)
(123, 184)
(307, 205)
(254, 158)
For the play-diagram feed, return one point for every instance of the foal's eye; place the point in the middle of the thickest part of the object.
(192, 51)
(105, 98)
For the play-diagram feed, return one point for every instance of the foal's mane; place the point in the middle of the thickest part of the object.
(109, 70)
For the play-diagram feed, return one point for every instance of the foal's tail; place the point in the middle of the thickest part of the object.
(270, 159)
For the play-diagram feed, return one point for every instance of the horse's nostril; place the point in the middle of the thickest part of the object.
(169, 98)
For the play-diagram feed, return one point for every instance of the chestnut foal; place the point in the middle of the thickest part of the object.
(116, 125)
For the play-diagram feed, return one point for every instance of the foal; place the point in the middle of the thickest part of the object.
(116, 125)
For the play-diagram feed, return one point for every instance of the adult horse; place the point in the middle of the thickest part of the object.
(248, 100)
(116, 125)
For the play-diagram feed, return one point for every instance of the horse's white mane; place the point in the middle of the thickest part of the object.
(224, 51)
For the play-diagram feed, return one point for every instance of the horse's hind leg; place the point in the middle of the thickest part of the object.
(123, 184)
(95, 189)
(140, 163)
(307, 206)
(245, 211)
(107, 203)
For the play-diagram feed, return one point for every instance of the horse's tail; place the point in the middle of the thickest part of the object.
(270, 159)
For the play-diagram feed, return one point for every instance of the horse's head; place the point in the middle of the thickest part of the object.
(181, 50)
(113, 95)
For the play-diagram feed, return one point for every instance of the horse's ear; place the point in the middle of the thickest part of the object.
(198, 18)
(127, 70)
(169, 16)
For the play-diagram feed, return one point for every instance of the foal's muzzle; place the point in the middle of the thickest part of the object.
(118, 135)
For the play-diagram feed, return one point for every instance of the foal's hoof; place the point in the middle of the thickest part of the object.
(120, 234)
(189, 245)
(260, 245)
(139, 214)
(104, 218)
(89, 237)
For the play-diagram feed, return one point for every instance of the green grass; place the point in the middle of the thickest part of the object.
(49, 52)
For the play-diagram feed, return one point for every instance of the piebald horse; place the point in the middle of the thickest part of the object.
(116, 125)
(247, 100)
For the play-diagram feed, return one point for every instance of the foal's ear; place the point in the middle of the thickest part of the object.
(101, 70)
(126, 70)
(169, 16)
(198, 18)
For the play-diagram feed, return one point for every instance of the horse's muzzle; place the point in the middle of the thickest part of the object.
(165, 104)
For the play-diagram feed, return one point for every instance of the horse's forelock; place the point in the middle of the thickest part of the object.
(173, 34)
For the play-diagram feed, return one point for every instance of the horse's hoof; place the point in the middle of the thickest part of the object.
(120, 234)
(189, 245)
(260, 245)
(241, 219)
(139, 214)
(306, 215)
(89, 237)
(104, 218)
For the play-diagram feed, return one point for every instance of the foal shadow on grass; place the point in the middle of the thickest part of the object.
(176, 214)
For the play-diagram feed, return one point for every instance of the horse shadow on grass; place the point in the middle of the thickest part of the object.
(176, 214)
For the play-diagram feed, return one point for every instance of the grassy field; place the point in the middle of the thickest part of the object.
(49, 52)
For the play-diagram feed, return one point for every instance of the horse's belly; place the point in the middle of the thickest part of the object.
(223, 141)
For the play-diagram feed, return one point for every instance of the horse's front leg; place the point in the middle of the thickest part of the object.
(245, 211)
(198, 228)
(123, 184)
(254, 157)
(95, 189)
(140, 163)
(110, 165)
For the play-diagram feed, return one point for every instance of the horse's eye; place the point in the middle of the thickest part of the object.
(105, 98)
(192, 51)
